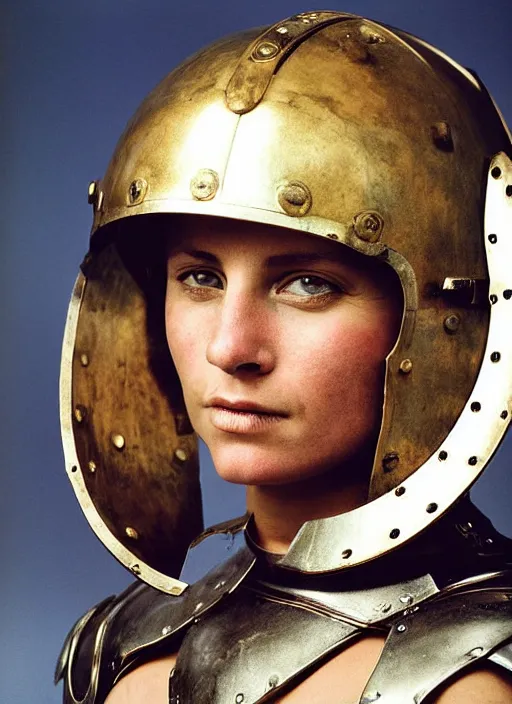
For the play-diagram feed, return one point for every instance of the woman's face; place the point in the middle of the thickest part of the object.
(279, 339)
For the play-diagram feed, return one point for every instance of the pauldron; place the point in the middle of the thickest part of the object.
(444, 604)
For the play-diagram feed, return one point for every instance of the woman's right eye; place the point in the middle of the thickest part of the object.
(201, 278)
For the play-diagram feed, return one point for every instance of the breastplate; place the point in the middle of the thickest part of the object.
(249, 631)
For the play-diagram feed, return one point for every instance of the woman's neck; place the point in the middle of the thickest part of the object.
(280, 510)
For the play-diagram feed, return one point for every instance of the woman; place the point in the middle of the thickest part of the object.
(317, 191)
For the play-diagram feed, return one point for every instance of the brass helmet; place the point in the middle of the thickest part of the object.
(334, 125)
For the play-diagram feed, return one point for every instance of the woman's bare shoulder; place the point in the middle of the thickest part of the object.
(147, 683)
(483, 686)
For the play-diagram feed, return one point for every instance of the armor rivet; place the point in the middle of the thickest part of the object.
(496, 172)
(265, 51)
(332, 236)
(205, 184)
(176, 591)
(135, 569)
(400, 491)
(92, 192)
(390, 461)
(92, 466)
(239, 698)
(371, 697)
(495, 356)
(294, 198)
(384, 607)
(489, 541)
(131, 533)
(431, 508)
(394, 533)
(442, 136)
(74, 468)
(117, 441)
(451, 323)
(282, 30)
(407, 599)
(476, 406)
(401, 628)
(466, 527)
(508, 191)
(475, 652)
(503, 414)
(472, 460)
(181, 455)
(346, 554)
(166, 630)
(406, 366)
(493, 239)
(80, 413)
(198, 606)
(493, 298)
(84, 360)
(219, 585)
(137, 191)
(507, 294)
(273, 681)
(443, 455)
(368, 226)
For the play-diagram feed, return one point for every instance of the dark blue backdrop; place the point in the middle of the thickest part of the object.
(75, 73)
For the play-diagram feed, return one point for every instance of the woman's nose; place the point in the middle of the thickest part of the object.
(242, 340)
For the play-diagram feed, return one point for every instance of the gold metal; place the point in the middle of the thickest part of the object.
(84, 360)
(181, 455)
(452, 323)
(222, 136)
(92, 466)
(80, 413)
(131, 533)
(137, 191)
(92, 192)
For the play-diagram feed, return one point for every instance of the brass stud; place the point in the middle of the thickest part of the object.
(84, 360)
(442, 136)
(176, 591)
(135, 569)
(118, 441)
(205, 184)
(181, 455)
(406, 599)
(167, 629)
(451, 323)
(401, 628)
(131, 533)
(92, 192)
(137, 191)
(294, 197)
(390, 461)
(282, 30)
(80, 413)
(265, 51)
(406, 366)
(368, 226)
(92, 466)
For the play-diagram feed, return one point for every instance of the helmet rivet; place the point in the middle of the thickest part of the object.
(137, 191)
(80, 413)
(118, 441)
(131, 533)
(442, 136)
(205, 184)
(406, 366)
(390, 461)
(92, 466)
(294, 198)
(496, 172)
(135, 569)
(92, 193)
(181, 455)
(84, 360)
(265, 51)
(368, 226)
(282, 30)
(451, 323)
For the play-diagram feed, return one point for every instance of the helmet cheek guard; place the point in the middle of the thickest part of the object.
(339, 127)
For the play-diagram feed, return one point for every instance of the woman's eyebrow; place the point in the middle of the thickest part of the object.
(197, 254)
(276, 260)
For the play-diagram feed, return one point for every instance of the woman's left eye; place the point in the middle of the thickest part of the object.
(310, 286)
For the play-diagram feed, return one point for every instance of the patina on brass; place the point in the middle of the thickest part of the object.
(390, 156)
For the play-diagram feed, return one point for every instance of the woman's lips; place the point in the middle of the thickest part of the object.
(241, 416)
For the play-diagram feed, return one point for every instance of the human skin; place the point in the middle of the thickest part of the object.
(245, 327)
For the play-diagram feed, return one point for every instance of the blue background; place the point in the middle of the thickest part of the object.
(73, 73)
